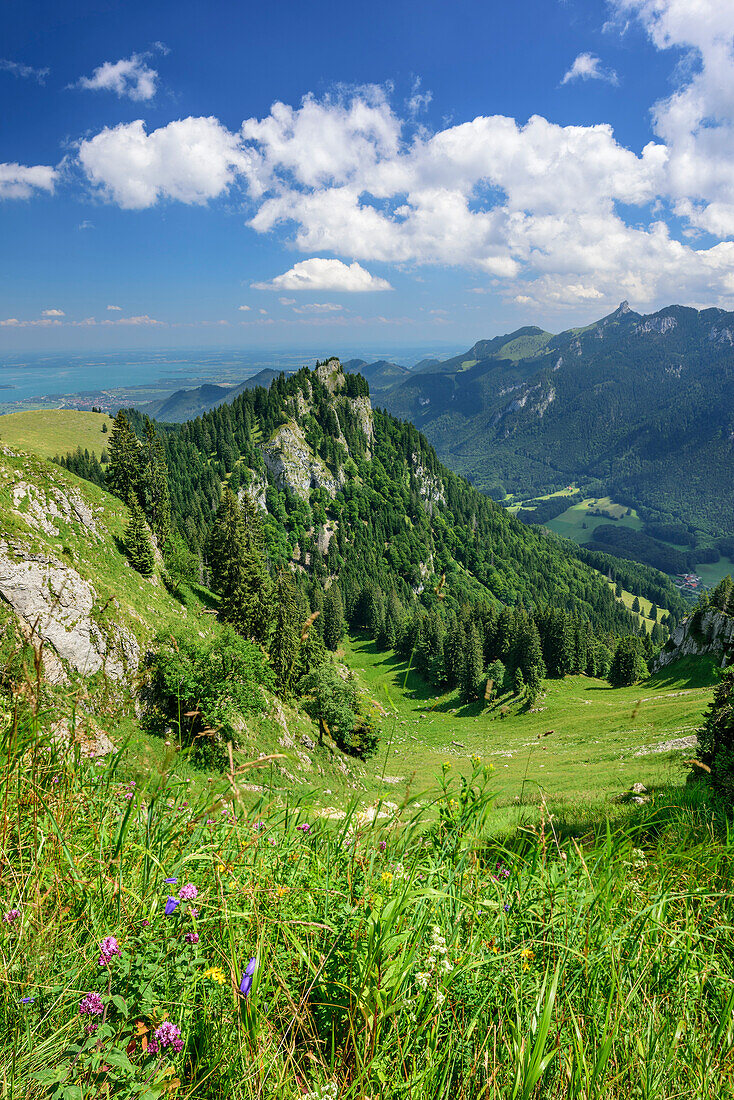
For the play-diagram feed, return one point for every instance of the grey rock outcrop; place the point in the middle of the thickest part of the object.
(704, 632)
(290, 461)
(56, 605)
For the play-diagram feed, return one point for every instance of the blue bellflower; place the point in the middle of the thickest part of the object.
(246, 983)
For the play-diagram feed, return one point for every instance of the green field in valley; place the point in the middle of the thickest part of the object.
(603, 740)
(51, 432)
(593, 511)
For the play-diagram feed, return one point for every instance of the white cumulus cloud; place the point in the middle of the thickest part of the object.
(117, 308)
(191, 160)
(587, 66)
(325, 274)
(20, 181)
(52, 313)
(130, 76)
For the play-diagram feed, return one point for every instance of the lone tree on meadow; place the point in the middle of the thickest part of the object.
(628, 663)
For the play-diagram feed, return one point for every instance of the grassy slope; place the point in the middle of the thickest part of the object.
(50, 432)
(143, 605)
(590, 758)
(570, 523)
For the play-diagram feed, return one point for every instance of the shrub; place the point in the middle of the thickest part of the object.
(206, 684)
(334, 701)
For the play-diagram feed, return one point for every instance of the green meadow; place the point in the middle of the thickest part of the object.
(603, 739)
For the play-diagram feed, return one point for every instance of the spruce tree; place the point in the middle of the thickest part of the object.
(636, 605)
(137, 542)
(333, 628)
(125, 469)
(238, 572)
(157, 497)
(628, 664)
(472, 679)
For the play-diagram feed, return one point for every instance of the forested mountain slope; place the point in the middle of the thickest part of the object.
(643, 405)
(359, 494)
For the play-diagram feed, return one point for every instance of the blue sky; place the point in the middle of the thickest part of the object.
(398, 174)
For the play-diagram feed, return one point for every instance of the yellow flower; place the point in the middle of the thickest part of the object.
(282, 891)
(216, 974)
(386, 877)
(526, 955)
(221, 868)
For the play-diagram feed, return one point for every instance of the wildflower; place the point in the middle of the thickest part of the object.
(246, 983)
(108, 947)
(167, 1035)
(527, 955)
(305, 827)
(216, 974)
(507, 908)
(152, 1047)
(386, 877)
(188, 892)
(91, 1005)
(11, 916)
(170, 881)
(91, 1028)
(145, 923)
(129, 795)
(192, 937)
(171, 905)
(193, 912)
(383, 845)
(26, 1000)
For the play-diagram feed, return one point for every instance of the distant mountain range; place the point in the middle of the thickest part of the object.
(641, 405)
(185, 405)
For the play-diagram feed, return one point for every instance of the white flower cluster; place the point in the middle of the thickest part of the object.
(638, 861)
(323, 1092)
(437, 964)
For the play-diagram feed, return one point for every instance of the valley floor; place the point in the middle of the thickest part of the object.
(603, 739)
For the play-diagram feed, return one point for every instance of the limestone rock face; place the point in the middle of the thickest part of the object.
(331, 375)
(256, 491)
(42, 510)
(291, 462)
(362, 407)
(57, 605)
(703, 632)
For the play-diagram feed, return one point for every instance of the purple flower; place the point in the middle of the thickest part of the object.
(11, 916)
(188, 892)
(145, 923)
(306, 828)
(193, 912)
(167, 1035)
(152, 1047)
(129, 795)
(91, 1005)
(91, 1028)
(507, 908)
(192, 937)
(177, 1046)
(246, 983)
(171, 905)
(26, 1000)
(170, 881)
(383, 845)
(108, 947)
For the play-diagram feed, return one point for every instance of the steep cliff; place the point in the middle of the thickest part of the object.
(705, 632)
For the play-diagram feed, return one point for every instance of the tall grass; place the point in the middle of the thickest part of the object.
(406, 956)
